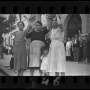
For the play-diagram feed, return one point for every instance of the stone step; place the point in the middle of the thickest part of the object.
(8, 71)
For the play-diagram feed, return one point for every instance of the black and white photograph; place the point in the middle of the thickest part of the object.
(44, 44)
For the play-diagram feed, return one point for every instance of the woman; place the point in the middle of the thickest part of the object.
(56, 56)
(37, 42)
(68, 48)
(19, 49)
(72, 57)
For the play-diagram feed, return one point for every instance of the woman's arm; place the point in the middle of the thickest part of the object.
(59, 23)
(29, 27)
(27, 40)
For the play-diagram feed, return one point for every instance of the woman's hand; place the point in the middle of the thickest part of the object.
(59, 22)
(47, 35)
(27, 40)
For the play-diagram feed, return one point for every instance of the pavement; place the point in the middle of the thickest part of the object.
(72, 69)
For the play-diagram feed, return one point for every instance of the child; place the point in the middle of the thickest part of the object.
(44, 63)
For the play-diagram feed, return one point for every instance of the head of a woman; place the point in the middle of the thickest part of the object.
(54, 22)
(20, 25)
(81, 40)
(86, 37)
(68, 39)
(76, 36)
(38, 25)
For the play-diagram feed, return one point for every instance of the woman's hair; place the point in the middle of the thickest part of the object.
(39, 22)
(21, 22)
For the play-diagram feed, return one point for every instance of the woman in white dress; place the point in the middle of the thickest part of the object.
(56, 56)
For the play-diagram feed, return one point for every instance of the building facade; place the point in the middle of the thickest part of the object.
(73, 24)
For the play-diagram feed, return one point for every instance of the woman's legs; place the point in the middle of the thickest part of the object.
(32, 71)
(40, 72)
(20, 72)
(57, 73)
(62, 73)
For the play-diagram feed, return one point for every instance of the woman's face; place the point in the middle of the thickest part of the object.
(20, 26)
(68, 39)
(54, 22)
(81, 40)
(38, 27)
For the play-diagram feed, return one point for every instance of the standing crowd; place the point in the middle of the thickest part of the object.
(78, 50)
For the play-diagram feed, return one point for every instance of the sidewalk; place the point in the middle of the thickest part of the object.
(72, 69)
(6, 60)
(4, 66)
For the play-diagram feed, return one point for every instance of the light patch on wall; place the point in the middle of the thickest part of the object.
(44, 19)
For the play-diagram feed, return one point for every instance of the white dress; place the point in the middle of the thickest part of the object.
(57, 56)
(44, 63)
(68, 47)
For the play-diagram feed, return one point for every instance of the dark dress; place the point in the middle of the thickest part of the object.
(81, 51)
(37, 42)
(76, 50)
(72, 58)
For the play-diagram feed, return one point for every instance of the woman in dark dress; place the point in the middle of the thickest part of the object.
(37, 42)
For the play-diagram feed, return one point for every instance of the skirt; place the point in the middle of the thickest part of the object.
(56, 57)
(20, 56)
(35, 53)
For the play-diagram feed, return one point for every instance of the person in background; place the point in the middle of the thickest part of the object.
(19, 48)
(76, 45)
(68, 48)
(89, 47)
(85, 49)
(7, 49)
(72, 41)
(81, 50)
